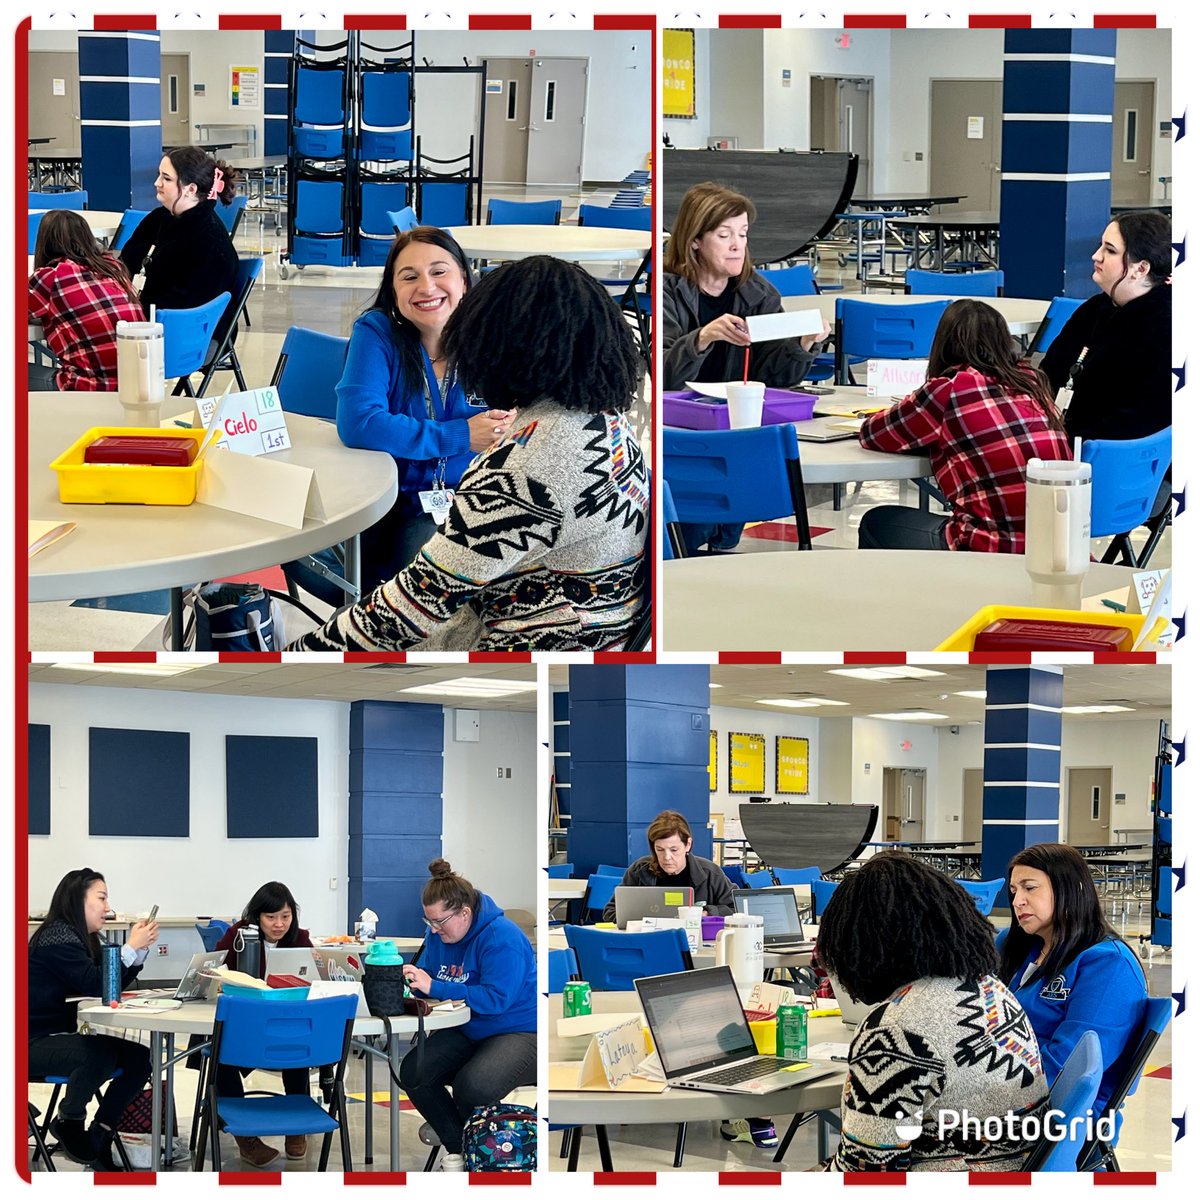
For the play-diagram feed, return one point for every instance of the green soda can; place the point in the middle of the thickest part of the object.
(577, 999)
(792, 1038)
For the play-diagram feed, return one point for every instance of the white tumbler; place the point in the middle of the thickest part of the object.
(141, 381)
(1058, 528)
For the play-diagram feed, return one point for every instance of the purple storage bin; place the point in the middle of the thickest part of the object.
(710, 927)
(690, 410)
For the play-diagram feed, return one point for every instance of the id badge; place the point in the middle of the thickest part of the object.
(436, 503)
(1063, 399)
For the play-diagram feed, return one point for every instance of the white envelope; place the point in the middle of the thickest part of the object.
(771, 326)
(319, 989)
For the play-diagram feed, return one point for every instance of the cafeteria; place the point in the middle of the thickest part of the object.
(917, 299)
(307, 825)
(908, 902)
(282, 225)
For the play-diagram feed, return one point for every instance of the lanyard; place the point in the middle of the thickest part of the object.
(436, 392)
(1076, 367)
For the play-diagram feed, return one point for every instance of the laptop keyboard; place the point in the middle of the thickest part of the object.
(752, 1068)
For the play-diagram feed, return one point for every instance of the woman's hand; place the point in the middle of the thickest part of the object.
(417, 978)
(726, 328)
(489, 427)
(143, 935)
(809, 340)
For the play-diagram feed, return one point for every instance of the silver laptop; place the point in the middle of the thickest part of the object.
(338, 962)
(821, 430)
(854, 1012)
(292, 960)
(703, 1038)
(634, 903)
(782, 930)
(195, 985)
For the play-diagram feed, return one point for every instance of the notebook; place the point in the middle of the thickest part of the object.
(782, 930)
(634, 903)
(703, 1038)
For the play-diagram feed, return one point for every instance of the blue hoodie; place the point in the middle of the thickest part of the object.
(1102, 989)
(492, 969)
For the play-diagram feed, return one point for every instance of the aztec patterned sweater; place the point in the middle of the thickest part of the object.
(934, 1051)
(543, 549)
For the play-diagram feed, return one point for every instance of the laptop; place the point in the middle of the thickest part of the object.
(634, 903)
(782, 930)
(836, 429)
(854, 1012)
(292, 960)
(338, 962)
(703, 1038)
(194, 985)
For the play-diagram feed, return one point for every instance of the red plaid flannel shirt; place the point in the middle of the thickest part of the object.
(79, 314)
(979, 439)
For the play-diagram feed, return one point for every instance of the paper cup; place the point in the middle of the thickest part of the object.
(764, 1035)
(745, 404)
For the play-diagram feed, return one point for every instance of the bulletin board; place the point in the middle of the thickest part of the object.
(747, 763)
(791, 766)
(39, 779)
(712, 760)
(271, 787)
(139, 783)
(679, 74)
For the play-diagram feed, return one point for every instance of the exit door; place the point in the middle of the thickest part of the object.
(904, 804)
(176, 86)
(1089, 803)
(1133, 140)
(965, 134)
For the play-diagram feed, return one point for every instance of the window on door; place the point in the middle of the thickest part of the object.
(551, 88)
(511, 108)
(173, 94)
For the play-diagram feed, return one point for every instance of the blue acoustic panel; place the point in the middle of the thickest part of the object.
(39, 779)
(1024, 685)
(639, 732)
(620, 792)
(382, 725)
(270, 787)
(1020, 804)
(1039, 766)
(1022, 725)
(376, 770)
(138, 783)
(1056, 147)
(397, 901)
(561, 702)
(382, 813)
(685, 686)
(393, 857)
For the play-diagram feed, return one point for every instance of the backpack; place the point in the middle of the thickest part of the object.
(501, 1137)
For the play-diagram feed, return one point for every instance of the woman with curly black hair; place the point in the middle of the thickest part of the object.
(543, 547)
(947, 1045)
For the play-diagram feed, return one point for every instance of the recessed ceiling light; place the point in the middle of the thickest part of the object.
(808, 702)
(160, 669)
(883, 674)
(482, 688)
(973, 695)
(910, 716)
(1085, 710)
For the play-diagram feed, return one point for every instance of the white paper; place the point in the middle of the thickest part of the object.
(321, 988)
(261, 487)
(836, 1050)
(770, 327)
(716, 390)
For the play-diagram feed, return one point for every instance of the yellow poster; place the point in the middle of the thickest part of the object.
(712, 760)
(747, 763)
(791, 766)
(679, 73)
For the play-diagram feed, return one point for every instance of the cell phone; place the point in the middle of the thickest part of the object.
(153, 914)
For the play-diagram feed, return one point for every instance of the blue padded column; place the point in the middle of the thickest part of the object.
(639, 745)
(1022, 764)
(1056, 158)
(277, 54)
(395, 810)
(120, 117)
(561, 751)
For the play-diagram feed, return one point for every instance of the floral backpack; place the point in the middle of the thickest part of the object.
(501, 1137)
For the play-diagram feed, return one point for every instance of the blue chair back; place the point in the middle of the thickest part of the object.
(129, 222)
(403, 220)
(445, 203)
(524, 212)
(866, 330)
(983, 893)
(672, 543)
(793, 281)
(377, 203)
(560, 870)
(386, 98)
(953, 283)
(1155, 1019)
(1057, 315)
(1073, 1094)
(230, 214)
(606, 869)
(212, 933)
(319, 94)
(561, 965)
(308, 371)
(610, 961)
(597, 215)
(822, 890)
(599, 891)
(73, 200)
(35, 220)
(733, 476)
(279, 1034)
(736, 876)
(797, 876)
(187, 333)
(319, 207)
(1125, 480)
(758, 879)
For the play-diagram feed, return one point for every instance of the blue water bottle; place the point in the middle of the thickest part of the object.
(110, 973)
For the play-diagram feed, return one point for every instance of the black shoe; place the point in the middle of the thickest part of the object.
(74, 1140)
(104, 1158)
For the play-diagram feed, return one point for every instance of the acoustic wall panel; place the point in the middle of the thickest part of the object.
(39, 779)
(271, 787)
(138, 783)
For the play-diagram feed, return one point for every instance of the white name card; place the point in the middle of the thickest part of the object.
(614, 1054)
(895, 376)
(1142, 590)
(251, 422)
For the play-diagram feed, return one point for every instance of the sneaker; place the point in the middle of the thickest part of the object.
(757, 1130)
(452, 1162)
(255, 1151)
(295, 1146)
(74, 1140)
(427, 1135)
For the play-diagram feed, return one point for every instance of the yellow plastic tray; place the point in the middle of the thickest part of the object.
(120, 483)
(963, 638)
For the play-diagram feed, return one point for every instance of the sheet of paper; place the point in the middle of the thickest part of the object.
(46, 533)
(895, 376)
(260, 487)
(716, 390)
(321, 988)
(770, 327)
(835, 1050)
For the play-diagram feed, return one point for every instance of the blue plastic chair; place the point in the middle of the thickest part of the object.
(212, 933)
(599, 216)
(231, 214)
(274, 1035)
(729, 477)
(607, 869)
(797, 876)
(35, 220)
(610, 960)
(222, 353)
(560, 870)
(38, 1131)
(524, 212)
(1125, 482)
(672, 540)
(187, 333)
(77, 201)
(822, 890)
(953, 283)
(131, 219)
(444, 203)
(1057, 315)
(983, 893)
(866, 330)
(793, 281)
(736, 876)
(759, 879)
(1073, 1094)
(561, 966)
(403, 220)
(599, 892)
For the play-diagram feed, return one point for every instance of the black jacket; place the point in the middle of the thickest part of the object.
(193, 261)
(60, 965)
(1124, 387)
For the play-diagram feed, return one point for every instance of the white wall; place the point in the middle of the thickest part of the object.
(879, 744)
(488, 824)
(770, 724)
(735, 86)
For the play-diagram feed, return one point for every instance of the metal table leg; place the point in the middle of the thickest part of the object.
(156, 1110)
(369, 1135)
(394, 1105)
(176, 618)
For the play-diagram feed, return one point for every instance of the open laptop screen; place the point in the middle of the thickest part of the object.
(696, 1019)
(776, 906)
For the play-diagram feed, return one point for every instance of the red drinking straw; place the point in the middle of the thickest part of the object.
(746, 367)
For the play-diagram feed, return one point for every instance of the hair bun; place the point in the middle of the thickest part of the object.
(441, 869)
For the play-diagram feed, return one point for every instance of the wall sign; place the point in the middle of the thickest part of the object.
(747, 763)
(712, 760)
(679, 74)
(791, 766)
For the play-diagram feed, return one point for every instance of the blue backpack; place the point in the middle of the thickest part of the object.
(501, 1137)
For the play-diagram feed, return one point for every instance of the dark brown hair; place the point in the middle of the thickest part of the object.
(703, 208)
(448, 888)
(1147, 238)
(193, 165)
(666, 824)
(65, 234)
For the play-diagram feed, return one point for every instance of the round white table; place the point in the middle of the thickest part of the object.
(567, 889)
(842, 599)
(121, 548)
(198, 1017)
(706, 956)
(102, 224)
(1023, 316)
(576, 243)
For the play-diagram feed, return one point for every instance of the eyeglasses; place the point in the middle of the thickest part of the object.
(438, 922)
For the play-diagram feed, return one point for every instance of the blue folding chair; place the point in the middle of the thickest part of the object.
(560, 870)
(561, 966)
(44, 1151)
(793, 281)
(222, 353)
(1073, 1094)
(610, 960)
(131, 219)
(212, 933)
(77, 201)
(187, 333)
(599, 216)
(1057, 315)
(759, 879)
(796, 876)
(953, 283)
(672, 541)
(276, 1035)
(231, 214)
(599, 892)
(866, 330)
(1125, 480)
(524, 212)
(403, 220)
(822, 890)
(606, 869)
(983, 893)
(729, 477)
